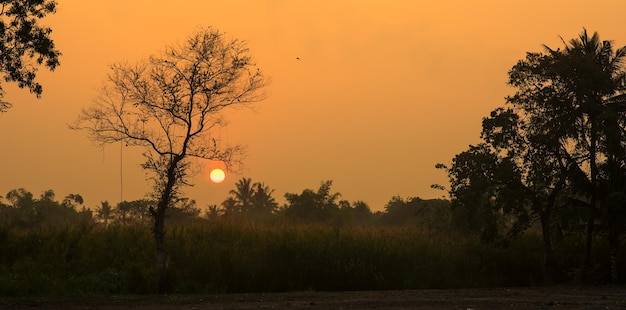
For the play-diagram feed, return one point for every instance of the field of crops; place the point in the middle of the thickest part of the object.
(235, 258)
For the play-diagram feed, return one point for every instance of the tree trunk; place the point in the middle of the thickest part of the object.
(160, 254)
(548, 258)
(586, 262)
(613, 249)
(614, 244)
(159, 227)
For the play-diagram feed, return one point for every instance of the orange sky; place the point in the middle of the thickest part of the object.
(384, 90)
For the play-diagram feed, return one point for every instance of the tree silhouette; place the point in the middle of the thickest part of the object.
(104, 212)
(243, 195)
(251, 200)
(72, 201)
(230, 208)
(511, 179)
(576, 98)
(170, 106)
(312, 206)
(25, 44)
(213, 212)
(264, 205)
(29, 212)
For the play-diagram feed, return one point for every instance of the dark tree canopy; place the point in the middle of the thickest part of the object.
(25, 44)
(559, 143)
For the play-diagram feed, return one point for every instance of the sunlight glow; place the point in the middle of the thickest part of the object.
(217, 175)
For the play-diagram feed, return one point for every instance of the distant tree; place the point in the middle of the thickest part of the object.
(213, 212)
(24, 202)
(72, 201)
(104, 212)
(251, 200)
(29, 212)
(431, 214)
(243, 195)
(170, 106)
(312, 206)
(362, 211)
(47, 207)
(264, 204)
(230, 208)
(183, 210)
(25, 44)
(134, 212)
(361, 206)
(20, 198)
(356, 213)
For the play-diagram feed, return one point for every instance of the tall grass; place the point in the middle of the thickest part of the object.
(227, 257)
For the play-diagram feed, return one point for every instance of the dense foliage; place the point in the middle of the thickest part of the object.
(25, 44)
(554, 154)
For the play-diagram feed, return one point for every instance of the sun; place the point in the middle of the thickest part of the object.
(217, 175)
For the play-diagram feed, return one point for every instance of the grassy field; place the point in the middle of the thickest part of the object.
(230, 258)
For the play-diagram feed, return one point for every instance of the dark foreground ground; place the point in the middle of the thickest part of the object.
(500, 298)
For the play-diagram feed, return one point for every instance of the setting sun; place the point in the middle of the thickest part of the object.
(217, 175)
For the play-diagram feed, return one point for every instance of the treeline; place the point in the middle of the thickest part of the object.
(248, 202)
(315, 241)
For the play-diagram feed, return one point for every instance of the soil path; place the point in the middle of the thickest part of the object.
(465, 299)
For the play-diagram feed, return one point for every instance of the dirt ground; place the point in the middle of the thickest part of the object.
(500, 298)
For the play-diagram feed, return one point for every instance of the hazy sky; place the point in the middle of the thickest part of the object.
(382, 92)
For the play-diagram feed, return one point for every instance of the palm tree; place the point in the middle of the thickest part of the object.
(263, 203)
(598, 80)
(243, 194)
(230, 208)
(575, 97)
(213, 212)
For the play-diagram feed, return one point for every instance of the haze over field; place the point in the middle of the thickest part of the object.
(369, 94)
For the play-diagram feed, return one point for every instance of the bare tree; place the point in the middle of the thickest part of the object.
(170, 106)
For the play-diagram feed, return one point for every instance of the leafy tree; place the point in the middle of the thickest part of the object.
(264, 203)
(431, 214)
(183, 211)
(133, 212)
(361, 212)
(230, 208)
(252, 200)
(25, 44)
(23, 203)
(474, 186)
(361, 206)
(540, 184)
(213, 212)
(170, 106)
(243, 195)
(20, 198)
(104, 212)
(576, 98)
(312, 206)
(72, 201)
(29, 212)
